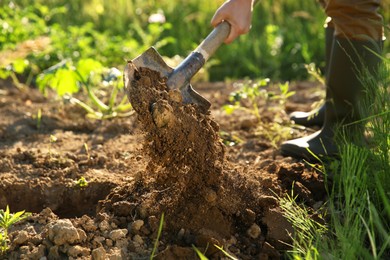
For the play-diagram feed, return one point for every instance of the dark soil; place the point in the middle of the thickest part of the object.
(167, 158)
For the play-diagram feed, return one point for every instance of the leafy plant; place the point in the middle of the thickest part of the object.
(81, 183)
(67, 78)
(255, 98)
(8, 219)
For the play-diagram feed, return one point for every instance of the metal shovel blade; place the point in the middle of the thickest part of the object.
(151, 59)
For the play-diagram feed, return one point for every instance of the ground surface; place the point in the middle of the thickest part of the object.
(210, 193)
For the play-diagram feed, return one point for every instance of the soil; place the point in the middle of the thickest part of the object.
(167, 158)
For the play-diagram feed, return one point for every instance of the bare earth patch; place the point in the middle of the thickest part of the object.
(168, 158)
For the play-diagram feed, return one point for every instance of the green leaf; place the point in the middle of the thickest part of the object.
(86, 66)
(200, 254)
(65, 82)
(229, 109)
(19, 65)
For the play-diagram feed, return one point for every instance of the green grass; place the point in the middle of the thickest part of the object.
(359, 200)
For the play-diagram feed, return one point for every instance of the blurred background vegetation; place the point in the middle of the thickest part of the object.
(285, 35)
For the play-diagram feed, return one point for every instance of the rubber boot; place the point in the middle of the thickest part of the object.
(348, 59)
(317, 116)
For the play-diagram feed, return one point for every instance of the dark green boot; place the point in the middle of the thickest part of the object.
(317, 116)
(348, 59)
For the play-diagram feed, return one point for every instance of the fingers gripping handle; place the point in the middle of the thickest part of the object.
(212, 42)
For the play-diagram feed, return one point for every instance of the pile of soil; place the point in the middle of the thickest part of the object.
(168, 158)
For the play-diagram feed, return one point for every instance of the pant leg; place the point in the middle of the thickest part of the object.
(355, 19)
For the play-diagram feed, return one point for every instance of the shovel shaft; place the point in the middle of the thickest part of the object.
(182, 74)
(212, 42)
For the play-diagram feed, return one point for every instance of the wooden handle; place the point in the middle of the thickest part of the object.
(182, 74)
(214, 40)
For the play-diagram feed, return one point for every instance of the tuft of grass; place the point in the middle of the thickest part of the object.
(307, 230)
(359, 199)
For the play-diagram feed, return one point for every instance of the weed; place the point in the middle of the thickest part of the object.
(155, 246)
(225, 253)
(254, 99)
(199, 254)
(87, 150)
(307, 230)
(81, 183)
(53, 139)
(66, 78)
(8, 219)
(39, 118)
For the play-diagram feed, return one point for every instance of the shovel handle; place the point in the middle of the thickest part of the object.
(181, 75)
(212, 42)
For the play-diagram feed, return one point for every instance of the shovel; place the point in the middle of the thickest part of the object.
(179, 77)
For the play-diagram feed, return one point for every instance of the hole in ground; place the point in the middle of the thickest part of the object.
(64, 200)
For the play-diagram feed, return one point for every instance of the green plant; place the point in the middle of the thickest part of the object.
(307, 230)
(160, 227)
(255, 99)
(53, 139)
(67, 78)
(225, 253)
(359, 203)
(81, 183)
(199, 254)
(8, 219)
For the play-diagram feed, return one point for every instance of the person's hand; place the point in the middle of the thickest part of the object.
(238, 13)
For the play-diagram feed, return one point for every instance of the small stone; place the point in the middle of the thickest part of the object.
(62, 232)
(99, 254)
(77, 251)
(114, 254)
(104, 225)
(138, 240)
(181, 233)
(21, 237)
(82, 235)
(109, 242)
(122, 243)
(53, 253)
(113, 225)
(37, 252)
(254, 231)
(153, 223)
(143, 211)
(118, 234)
(145, 231)
(162, 114)
(136, 225)
(122, 208)
(210, 196)
(99, 239)
(175, 95)
(88, 224)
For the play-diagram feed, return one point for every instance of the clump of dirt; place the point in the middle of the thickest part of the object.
(204, 202)
(179, 138)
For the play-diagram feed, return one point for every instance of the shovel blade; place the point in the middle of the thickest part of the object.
(151, 59)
